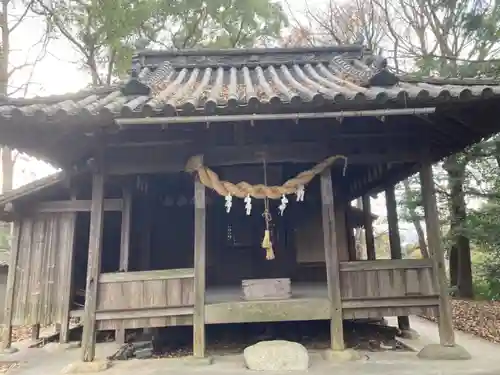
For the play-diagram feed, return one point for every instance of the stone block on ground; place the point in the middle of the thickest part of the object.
(441, 352)
(276, 355)
(86, 367)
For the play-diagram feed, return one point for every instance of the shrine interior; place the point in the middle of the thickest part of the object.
(162, 228)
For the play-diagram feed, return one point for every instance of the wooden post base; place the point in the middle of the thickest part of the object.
(441, 352)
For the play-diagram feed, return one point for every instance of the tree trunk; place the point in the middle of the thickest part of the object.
(415, 219)
(461, 267)
(6, 154)
(453, 260)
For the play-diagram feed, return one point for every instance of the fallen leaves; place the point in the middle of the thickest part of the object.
(21, 333)
(481, 318)
(5, 366)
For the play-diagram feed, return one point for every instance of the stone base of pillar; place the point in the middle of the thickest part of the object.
(409, 334)
(441, 352)
(86, 367)
(9, 350)
(341, 355)
(198, 361)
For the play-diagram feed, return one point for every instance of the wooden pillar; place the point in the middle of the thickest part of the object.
(146, 222)
(69, 242)
(9, 293)
(368, 224)
(446, 334)
(349, 229)
(199, 270)
(340, 225)
(35, 332)
(395, 240)
(94, 266)
(124, 245)
(330, 231)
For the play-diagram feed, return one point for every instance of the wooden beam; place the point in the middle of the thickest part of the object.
(148, 143)
(386, 177)
(77, 206)
(68, 242)
(199, 270)
(412, 301)
(144, 313)
(446, 334)
(9, 292)
(94, 266)
(292, 309)
(332, 261)
(124, 245)
(385, 264)
(125, 277)
(368, 225)
(173, 160)
(395, 240)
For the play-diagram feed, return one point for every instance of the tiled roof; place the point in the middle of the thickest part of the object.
(253, 81)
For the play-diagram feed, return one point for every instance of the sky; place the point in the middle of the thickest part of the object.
(59, 72)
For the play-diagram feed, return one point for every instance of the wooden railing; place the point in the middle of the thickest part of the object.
(388, 287)
(145, 299)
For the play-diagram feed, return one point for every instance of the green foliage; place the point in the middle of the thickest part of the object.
(105, 32)
(484, 226)
(219, 23)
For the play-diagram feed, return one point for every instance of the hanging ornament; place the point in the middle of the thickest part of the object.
(229, 202)
(283, 204)
(300, 193)
(248, 204)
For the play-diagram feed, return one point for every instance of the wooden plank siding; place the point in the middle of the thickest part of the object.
(372, 289)
(43, 271)
(369, 289)
(145, 299)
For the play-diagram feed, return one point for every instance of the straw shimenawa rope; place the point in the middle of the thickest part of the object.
(242, 189)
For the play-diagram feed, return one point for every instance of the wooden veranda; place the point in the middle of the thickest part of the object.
(149, 245)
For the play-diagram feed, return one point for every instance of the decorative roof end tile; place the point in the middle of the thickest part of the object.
(135, 86)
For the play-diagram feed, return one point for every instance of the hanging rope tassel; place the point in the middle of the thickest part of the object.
(266, 241)
(267, 245)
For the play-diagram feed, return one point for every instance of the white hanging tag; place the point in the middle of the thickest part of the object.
(282, 206)
(248, 204)
(300, 193)
(229, 203)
